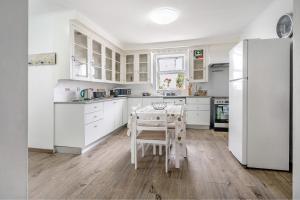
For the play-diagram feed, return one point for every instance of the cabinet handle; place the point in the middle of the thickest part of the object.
(95, 107)
(95, 126)
(95, 116)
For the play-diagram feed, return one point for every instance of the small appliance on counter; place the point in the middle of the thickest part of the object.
(220, 113)
(87, 94)
(120, 92)
(146, 94)
(99, 94)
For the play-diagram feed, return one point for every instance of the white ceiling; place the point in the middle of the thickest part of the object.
(128, 21)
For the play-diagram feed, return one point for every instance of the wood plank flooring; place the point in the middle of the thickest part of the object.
(105, 172)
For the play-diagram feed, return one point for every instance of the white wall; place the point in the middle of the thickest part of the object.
(296, 100)
(52, 37)
(264, 25)
(13, 99)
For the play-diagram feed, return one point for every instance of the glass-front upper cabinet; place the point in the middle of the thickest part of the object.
(117, 67)
(80, 66)
(199, 69)
(130, 68)
(143, 67)
(96, 61)
(108, 64)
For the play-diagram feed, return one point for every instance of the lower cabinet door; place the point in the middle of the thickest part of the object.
(93, 132)
(198, 117)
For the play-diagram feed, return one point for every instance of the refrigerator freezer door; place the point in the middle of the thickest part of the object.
(268, 104)
(238, 61)
(237, 119)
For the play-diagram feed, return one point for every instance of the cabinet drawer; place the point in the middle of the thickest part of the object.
(197, 107)
(92, 117)
(93, 132)
(198, 100)
(93, 107)
(198, 117)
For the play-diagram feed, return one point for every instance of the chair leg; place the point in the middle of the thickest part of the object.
(167, 158)
(143, 150)
(135, 162)
(160, 150)
(154, 149)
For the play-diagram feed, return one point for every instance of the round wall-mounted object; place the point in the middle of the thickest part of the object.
(284, 27)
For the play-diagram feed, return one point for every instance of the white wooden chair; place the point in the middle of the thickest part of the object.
(151, 128)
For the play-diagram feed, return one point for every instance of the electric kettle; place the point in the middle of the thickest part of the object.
(86, 94)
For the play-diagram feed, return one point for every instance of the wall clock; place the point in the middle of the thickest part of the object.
(284, 27)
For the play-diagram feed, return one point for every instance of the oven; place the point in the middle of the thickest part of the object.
(220, 113)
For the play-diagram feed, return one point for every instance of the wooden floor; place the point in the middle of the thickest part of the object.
(105, 172)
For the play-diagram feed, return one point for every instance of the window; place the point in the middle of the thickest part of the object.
(170, 72)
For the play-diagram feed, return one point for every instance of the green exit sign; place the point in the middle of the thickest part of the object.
(198, 53)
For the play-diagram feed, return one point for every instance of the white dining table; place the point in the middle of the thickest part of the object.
(175, 116)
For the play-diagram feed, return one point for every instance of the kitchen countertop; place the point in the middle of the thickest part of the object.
(115, 98)
(181, 96)
(89, 101)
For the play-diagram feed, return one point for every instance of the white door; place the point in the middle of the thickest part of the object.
(108, 117)
(118, 113)
(237, 119)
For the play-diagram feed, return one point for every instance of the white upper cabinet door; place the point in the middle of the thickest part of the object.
(199, 69)
(130, 70)
(117, 71)
(143, 70)
(219, 53)
(96, 60)
(80, 54)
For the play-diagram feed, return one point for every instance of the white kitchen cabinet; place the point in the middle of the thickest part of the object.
(137, 67)
(219, 53)
(198, 112)
(79, 126)
(92, 58)
(124, 111)
(198, 65)
(80, 50)
(148, 100)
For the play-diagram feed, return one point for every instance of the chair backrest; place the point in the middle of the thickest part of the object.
(151, 121)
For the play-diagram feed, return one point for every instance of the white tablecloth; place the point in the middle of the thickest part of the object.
(175, 116)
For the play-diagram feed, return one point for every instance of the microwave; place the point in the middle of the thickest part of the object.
(119, 92)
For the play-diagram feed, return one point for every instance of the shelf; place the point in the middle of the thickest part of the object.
(83, 47)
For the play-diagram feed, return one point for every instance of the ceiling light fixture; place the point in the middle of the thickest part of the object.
(164, 15)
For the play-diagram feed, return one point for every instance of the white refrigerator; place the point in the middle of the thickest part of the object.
(259, 108)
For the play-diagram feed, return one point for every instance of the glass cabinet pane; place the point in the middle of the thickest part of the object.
(108, 64)
(198, 64)
(130, 59)
(97, 73)
(129, 77)
(143, 77)
(118, 57)
(118, 76)
(80, 39)
(143, 58)
(97, 60)
(118, 68)
(108, 53)
(198, 75)
(129, 68)
(143, 67)
(108, 75)
(97, 48)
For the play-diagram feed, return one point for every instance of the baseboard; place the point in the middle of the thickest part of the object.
(202, 127)
(30, 149)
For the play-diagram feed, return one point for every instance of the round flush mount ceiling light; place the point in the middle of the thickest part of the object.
(164, 15)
